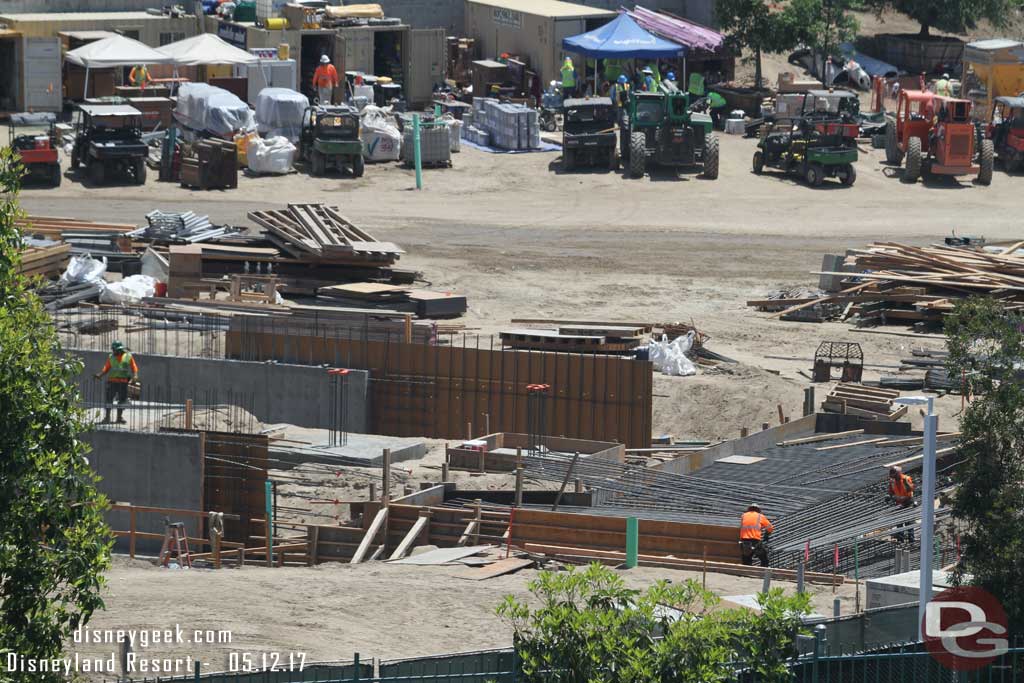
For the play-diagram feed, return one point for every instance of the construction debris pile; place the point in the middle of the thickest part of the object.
(899, 284)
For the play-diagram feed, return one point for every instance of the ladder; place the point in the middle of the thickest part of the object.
(176, 541)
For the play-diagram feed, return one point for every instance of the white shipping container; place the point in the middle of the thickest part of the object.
(42, 81)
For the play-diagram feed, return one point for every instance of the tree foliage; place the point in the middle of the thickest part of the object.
(54, 544)
(952, 16)
(986, 350)
(590, 628)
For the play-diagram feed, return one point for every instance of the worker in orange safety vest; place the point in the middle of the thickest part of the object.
(325, 80)
(753, 528)
(901, 487)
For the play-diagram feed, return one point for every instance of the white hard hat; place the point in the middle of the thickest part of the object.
(324, 59)
(946, 76)
(647, 70)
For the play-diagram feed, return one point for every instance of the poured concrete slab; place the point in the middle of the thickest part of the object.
(297, 445)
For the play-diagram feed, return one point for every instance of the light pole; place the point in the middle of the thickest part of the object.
(931, 427)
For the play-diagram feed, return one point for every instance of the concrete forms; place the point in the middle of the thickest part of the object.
(502, 452)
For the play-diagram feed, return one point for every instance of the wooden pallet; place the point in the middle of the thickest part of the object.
(318, 230)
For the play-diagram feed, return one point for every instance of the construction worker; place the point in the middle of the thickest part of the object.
(696, 86)
(650, 83)
(568, 78)
(139, 76)
(613, 69)
(901, 487)
(120, 370)
(717, 104)
(325, 80)
(620, 93)
(753, 528)
(943, 86)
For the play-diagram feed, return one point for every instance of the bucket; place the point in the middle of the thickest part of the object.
(160, 289)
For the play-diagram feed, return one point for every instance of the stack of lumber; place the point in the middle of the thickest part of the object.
(54, 228)
(47, 260)
(589, 338)
(318, 233)
(900, 283)
(870, 402)
(375, 295)
(681, 329)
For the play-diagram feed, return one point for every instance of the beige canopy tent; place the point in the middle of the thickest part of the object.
(113, 51)
(205, 48)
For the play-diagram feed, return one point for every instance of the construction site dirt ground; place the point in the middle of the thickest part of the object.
(334, 610)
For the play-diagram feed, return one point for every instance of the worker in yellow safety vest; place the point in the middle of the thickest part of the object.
(943, 87)
(139, 76)
(120, 370)
(568, 78)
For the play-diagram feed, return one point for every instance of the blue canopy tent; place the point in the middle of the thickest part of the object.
(621, 38)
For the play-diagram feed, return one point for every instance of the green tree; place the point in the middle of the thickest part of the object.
(952, 16)
(986, 350)
(756, 25)
(589, 627)
(819, 24)
(54, 544)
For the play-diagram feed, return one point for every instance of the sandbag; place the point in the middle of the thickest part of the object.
(381, 138)
(130, 290)
(273, 155)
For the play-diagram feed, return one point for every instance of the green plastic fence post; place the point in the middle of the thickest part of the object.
(355, 667)
(417, 158)
(196, 668)
(632, 541)
(437, 111)
(819, 633)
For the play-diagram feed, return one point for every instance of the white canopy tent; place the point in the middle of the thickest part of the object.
(205, 48)
(113, 51)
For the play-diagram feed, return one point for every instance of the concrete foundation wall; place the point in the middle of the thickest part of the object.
(293, 394)
(149, 470)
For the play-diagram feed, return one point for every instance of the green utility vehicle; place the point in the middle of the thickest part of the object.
(330, 139)
(815, 138)
(588, 136)
(664, 128)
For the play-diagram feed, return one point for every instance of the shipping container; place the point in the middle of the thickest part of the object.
(30, 76)
(531, 30)
(152, 29)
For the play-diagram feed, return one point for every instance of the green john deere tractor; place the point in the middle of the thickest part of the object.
(666, 129)
(330, 139)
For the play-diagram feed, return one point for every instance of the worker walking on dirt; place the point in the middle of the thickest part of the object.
(139, 76)
(754, 528)
(325, 80)
(943, 87)
(120, 370)
(568, 78)
(901, 487)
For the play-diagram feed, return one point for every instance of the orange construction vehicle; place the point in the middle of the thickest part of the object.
(936, 135)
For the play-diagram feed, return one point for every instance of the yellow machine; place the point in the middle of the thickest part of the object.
(992, 68)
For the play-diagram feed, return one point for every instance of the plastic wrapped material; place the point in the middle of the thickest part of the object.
(454, 132)
(273, 155)
(130, 290)
(381, 139)
(84, 269)
(669, 357)
(205, 108)
(279, 112)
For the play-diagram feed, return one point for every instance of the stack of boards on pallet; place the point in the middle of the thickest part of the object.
(45, 258)
(895, 283)
(870, 402)
(375, 295)
(610, 338)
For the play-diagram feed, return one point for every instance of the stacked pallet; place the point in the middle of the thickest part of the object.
(318, 233)
(875, 403)
(46, 260)
(375, 295)
(576, 338)
(899, 283)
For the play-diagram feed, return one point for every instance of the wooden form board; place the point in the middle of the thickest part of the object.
(235, 475)
(435, 391)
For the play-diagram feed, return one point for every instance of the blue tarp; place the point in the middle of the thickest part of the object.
(621, 38)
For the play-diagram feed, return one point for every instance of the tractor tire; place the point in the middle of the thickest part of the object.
(893, 153)
(711, 157)
(97, 172)
(55, 175)
(637, 155)
(140, 172)
(568, 159)
(849, 176)
(986, 159)
(358, 166)
(758, 162)
(317, 164)
(912, 170)
(814, 175)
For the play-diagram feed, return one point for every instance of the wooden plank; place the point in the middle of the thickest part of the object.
(822, 300)
(504, 566)
(819, 437)
(917, 440)
(410, 538)
(854, 443)
(371, 533)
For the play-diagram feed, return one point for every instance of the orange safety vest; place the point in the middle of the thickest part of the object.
(325, 76)
(902, 486)
(751, 524)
